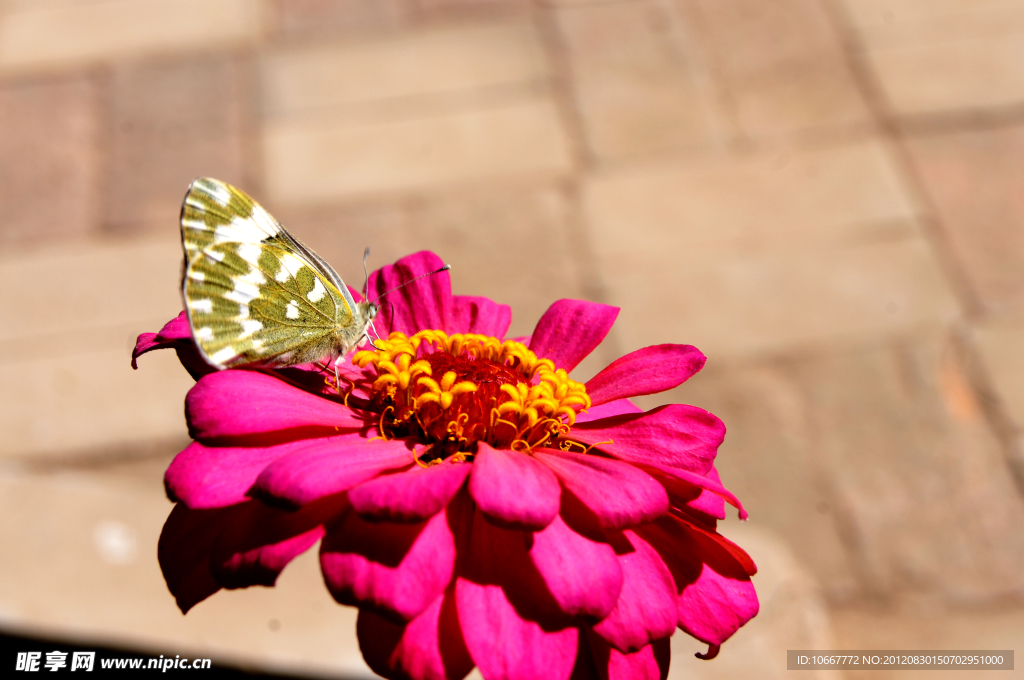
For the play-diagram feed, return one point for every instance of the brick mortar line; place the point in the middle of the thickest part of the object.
(592, 283)
(893, 135)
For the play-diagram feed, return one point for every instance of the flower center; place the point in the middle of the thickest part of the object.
(454, 391)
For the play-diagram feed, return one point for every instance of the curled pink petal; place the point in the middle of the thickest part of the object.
(174, 335)
(704, 505)
(506, 646)
(583, 575)
(409, 496)
(236, 405)
(648, 663)
(430, 647)
(320, 467)
(395, 569)
(479, 315)
(261, 541)
(701, 481)
(618, 493)
(513, 489)
(675, 435)
(174, 330)
(570, 330)
(645, 610)
(646, 371)
(423, 304)
(712, 576)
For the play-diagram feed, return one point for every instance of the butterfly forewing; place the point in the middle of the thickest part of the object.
(254, 294)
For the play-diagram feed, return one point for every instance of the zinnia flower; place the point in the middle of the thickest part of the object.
(478, 505)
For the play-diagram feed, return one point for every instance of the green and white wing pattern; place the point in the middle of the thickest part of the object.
(255, 296)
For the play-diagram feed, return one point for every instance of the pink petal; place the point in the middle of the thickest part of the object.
(175, 335)
(184, 549)
(395, 569)
(214, 476)
(430, 647)
(702, 503)
(612, 408)
(235, 405)
(175, 329)
(261, 541)
(506, 646)
(570, 330)
(513, 489)
(618, 493)
(479, 315)
(716, 596)
(675, 435)
(512, 626)
(422, 305)
(646, 371)
(320, 467)
(649, 663)
(646, 610)
(410, 496)
(583, 575)
(701, 481)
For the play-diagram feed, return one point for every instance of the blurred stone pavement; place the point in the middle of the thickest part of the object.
(825, 196)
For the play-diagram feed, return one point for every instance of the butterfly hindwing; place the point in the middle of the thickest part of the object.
(254, 294)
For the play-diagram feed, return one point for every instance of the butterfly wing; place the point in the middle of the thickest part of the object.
(254, 294)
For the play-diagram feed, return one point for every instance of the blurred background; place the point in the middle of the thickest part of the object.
(825, 196)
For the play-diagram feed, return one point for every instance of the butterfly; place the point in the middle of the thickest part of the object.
(254, 294)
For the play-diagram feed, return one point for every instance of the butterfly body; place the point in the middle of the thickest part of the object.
(254, 294)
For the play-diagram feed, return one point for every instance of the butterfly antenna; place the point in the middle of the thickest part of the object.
(366, 273)
(402, 285)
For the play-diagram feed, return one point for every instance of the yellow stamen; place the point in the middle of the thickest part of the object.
(457, 390)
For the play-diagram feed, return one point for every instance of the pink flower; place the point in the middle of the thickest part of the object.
(478, 505)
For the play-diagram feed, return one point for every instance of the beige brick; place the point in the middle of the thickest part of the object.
(436, 62)
(971, 73)
(759, 253)
(876, 464)
(172, 121)
(1000, 346)
(327, 161)
(68, 293)
(85, 569)
(302, 18)
(781, 66)
(42, 32)
(874, 14)
(949, 24)
(434, 8)
(90, 401)
(944, 56)
(671, 213)
(919, 481)
(975, 180)
(50, 146)
(746, 304)
(638, 89)
(871, 628)
(66, 381)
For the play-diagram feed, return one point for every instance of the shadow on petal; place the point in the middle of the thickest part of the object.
(430, 647)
